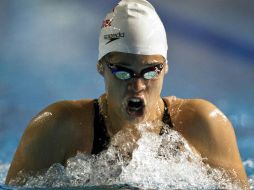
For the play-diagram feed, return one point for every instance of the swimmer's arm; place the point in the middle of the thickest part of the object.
(41, 145)
(214, 138)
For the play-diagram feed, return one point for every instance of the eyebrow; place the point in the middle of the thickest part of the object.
(154, 62)
(122, 63)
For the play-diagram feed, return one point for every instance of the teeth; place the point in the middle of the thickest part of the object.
(135, 100)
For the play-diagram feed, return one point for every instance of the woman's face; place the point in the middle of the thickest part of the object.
(134, 99)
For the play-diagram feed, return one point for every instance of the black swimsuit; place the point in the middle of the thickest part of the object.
(101, 137)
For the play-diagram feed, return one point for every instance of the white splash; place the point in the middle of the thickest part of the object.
(157, 162)
(249, 163)
(251, 181)
(42, 116)
(249, 167)
(3, 172)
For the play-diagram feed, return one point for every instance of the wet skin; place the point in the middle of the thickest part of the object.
(64, 128)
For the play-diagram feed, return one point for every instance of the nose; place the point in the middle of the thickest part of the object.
(137, 85)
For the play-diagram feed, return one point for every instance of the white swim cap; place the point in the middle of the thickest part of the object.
(133, 27)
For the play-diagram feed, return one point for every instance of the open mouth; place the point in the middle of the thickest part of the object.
(135, 107)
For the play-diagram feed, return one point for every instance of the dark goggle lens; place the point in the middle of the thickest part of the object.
(123, 75)
(150, 75)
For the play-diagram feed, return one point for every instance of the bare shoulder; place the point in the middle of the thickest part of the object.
(209, 131)
(203, 125)
(201, 120)
(54, 135)
(197, 115)
(194, 107)
(62, 108)
(65, 119)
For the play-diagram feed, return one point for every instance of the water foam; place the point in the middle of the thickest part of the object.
(157, 162)
(3, 172)
(249, 167)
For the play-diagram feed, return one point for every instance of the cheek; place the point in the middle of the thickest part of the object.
(114, 89)
(155, 87)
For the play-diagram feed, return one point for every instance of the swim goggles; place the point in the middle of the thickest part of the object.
(123, 73)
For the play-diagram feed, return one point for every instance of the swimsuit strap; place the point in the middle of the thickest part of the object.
(166, 119)
(101, 138)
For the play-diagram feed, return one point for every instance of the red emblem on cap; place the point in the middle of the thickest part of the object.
(106, 23)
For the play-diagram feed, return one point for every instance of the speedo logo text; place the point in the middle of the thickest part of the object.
(113, 37)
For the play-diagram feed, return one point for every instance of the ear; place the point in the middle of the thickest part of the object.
(166, 68)
(100, 68)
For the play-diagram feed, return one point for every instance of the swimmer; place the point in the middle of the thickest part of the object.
(133, 62)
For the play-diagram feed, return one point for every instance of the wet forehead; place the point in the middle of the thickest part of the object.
(128, 59)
